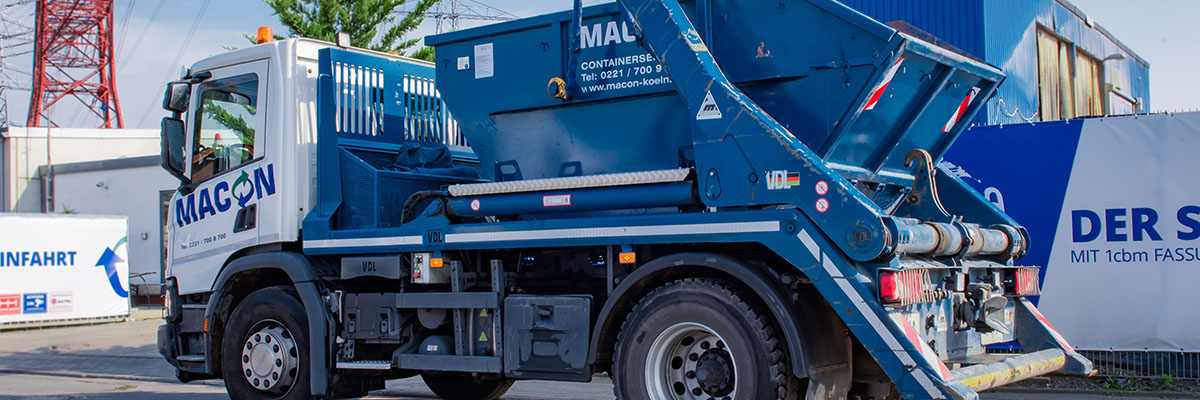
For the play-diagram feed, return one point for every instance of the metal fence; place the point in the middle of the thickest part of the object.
(1138, 364)
(1145, 364)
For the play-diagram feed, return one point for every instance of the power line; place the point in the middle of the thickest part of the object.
(15, 40)
(125, 22)
(452, 11)
(179, 56)
(497, 10)
(126, 52)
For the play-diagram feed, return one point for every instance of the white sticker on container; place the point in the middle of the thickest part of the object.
(483, 61)
(558, 200)
(709, 108)
(464, 63)
(822, 188)
(822, 205)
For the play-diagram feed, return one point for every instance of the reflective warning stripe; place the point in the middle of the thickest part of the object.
(927, 352)
(618, 231)
(877, 93)
(362, 242)
(1054, 332)
(962, 108)
(872, 318)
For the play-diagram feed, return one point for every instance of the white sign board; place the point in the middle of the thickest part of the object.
(62, 267)
(1113, 211)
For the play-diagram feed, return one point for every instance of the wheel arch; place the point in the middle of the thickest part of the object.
(757, 277)
(243, 274)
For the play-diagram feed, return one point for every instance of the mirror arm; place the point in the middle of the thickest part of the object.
(198, 77)
(186, 188)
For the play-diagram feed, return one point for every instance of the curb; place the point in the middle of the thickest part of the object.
(81, 375)
(1114, 393)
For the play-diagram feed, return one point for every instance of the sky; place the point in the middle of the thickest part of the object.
(151, 35)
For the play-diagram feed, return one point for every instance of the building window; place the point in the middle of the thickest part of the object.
(1068, 80)
(1087, 86)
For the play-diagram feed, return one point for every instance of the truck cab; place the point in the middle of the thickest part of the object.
(242, 141)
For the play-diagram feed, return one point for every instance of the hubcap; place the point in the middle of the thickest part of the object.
(690, 361)
(270, 359)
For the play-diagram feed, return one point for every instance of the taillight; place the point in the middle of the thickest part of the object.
(909, 286)
(1025, 282)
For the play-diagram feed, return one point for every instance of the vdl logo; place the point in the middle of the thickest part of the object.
(219, 198)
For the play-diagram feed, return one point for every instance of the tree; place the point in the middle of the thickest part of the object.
(362, 19)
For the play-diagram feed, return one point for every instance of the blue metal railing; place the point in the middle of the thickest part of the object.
(377, 100)
(367, 107)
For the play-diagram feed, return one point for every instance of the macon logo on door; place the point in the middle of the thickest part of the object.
(211, 200)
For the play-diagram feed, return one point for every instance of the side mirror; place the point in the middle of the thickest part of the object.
(173, 147)
(176, 98)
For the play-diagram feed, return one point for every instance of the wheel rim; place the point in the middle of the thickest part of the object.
(270, 360)
(690, 361)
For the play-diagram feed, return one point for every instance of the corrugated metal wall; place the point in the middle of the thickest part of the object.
(958, 22)
(1004, 33)
(1011, 44)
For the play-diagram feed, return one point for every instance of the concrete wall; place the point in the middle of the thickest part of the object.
(25, 149)
(128, 187)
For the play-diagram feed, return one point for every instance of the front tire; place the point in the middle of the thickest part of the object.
(264, 351)
(460, 386)
(699, 339)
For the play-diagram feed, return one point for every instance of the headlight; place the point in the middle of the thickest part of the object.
(171, 306)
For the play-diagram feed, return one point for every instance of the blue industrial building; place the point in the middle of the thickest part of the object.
(1060, 64)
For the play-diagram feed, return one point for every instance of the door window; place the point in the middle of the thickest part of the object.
(226, 121)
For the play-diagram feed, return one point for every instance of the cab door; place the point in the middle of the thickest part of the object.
(218, 213)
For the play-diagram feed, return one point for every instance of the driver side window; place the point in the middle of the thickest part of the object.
(225, 125)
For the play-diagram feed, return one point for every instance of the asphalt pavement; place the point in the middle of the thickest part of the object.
(121, 361)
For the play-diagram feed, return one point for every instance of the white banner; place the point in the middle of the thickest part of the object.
(1124, 267)
(1112, 206)
(61, 267)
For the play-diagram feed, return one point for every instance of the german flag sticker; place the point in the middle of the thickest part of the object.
(782, 179)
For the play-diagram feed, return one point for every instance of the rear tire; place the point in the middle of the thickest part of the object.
(461, 386)
(264, 354)
(699, 339)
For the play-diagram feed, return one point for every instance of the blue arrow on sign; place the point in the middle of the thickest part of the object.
(109, 260)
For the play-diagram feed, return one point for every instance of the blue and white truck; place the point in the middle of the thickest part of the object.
(708, 199)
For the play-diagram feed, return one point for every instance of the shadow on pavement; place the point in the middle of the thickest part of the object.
(124, 395)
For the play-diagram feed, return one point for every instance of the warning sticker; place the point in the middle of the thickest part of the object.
(475, 205)
(822, 188)
(483, 61)
(709, 108)
(822, 205)
(10, 304)
(558, 200)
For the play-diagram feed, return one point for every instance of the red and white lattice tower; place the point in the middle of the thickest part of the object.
(73, 58)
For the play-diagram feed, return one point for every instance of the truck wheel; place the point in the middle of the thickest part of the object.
(263, 352)
(460, 386)
(698, 339)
